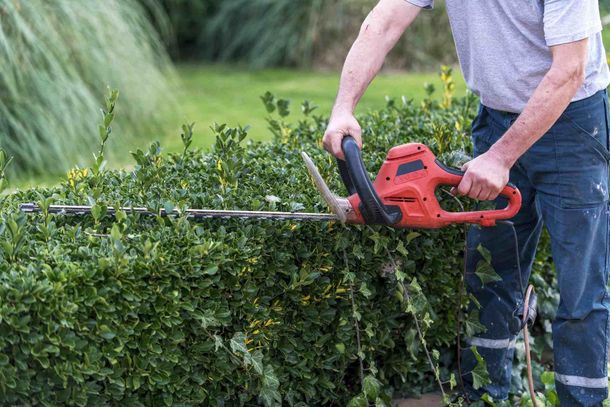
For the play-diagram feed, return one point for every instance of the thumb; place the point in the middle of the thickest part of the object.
(465, 166)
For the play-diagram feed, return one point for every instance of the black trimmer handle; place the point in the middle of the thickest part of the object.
(357, 180)
(345, 177)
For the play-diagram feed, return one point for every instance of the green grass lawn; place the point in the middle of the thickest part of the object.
(231, 95)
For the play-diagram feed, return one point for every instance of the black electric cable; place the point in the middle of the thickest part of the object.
(528, 302)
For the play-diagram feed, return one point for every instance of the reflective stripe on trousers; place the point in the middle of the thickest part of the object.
(563, 178)
(507, 343)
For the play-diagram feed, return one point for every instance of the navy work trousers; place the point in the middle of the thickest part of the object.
(563, 178)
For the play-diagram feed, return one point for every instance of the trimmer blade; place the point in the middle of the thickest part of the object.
(339, 206)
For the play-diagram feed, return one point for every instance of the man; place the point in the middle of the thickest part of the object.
(540, 69)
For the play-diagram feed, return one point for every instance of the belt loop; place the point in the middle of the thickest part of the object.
(514, 118)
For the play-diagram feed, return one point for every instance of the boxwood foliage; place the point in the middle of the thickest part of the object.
(134, 310)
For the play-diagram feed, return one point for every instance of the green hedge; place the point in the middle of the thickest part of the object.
(160, 311)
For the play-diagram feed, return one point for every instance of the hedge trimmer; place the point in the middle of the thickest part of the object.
(402, 196)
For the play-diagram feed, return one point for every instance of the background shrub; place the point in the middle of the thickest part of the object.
(164, 311)
(180, 23)
(305, 33)
(58, 57)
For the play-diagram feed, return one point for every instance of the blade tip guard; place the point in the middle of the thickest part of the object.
(329, 197)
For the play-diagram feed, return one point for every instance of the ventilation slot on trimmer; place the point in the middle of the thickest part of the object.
(400, 199)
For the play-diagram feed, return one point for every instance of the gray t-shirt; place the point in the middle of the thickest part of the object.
(503, 45)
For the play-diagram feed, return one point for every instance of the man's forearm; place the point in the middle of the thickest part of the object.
(378, 35)
(362, 64)
(545, 106)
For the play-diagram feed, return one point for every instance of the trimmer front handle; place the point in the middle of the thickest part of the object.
(357, 181)
(403, 194)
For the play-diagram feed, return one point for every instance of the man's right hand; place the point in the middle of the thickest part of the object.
(339, 126)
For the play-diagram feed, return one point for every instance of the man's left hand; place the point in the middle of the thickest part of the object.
(485, 177)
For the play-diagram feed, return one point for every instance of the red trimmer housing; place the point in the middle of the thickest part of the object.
(403, 194)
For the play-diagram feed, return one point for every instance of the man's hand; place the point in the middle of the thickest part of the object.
(485, 177)
(339, 126)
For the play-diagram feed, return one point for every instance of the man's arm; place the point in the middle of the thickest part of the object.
(487, 174)
(379, 33)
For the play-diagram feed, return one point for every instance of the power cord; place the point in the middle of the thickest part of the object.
(523, 316)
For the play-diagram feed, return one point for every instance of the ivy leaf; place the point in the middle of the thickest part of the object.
(238, 343)
(257, 361)
(485, 253)
(358, 252)
(364, 290)
(270, 397)
(480, 375)
(417, 302)
(412, 235)
(402, 249)
(547, 378)
(553, 398)
(380, 403)
(473, 325)
(484, 269)
(358, 401)
(452, 381)
(207, 319)
(272, 199)
(217, 343)
(269, 378)
(371, 387)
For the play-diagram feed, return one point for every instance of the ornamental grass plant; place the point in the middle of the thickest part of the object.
(58, 57)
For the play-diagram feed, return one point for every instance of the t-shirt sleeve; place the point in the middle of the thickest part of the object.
(422, 3)
(570, 20)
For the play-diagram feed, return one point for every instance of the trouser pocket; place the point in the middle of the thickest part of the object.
(581, 143)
